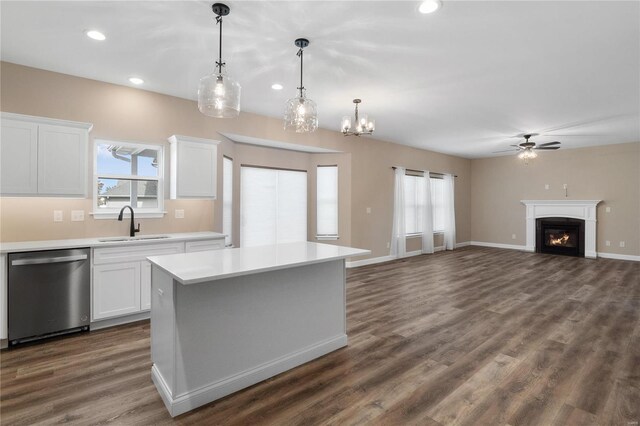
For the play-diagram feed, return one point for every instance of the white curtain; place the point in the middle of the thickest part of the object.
(449, 213)
(426, 215)
(398, 232)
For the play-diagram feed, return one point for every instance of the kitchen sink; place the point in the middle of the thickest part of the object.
(127, 239)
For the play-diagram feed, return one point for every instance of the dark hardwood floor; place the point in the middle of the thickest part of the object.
(477, 336)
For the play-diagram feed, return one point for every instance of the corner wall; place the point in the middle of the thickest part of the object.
(609, 173)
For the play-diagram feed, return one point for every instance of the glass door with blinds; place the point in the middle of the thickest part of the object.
(273, 206)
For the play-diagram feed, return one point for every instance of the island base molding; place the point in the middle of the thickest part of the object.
(207, 394)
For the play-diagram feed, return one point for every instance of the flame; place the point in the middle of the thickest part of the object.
(561, 241)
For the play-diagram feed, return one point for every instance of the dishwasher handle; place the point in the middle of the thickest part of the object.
(47, 260)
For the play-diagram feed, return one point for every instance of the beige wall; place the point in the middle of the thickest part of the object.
(609, 173)
(124, 113)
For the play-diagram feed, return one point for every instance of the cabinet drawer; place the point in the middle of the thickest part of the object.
(134, 253)
(204, 245)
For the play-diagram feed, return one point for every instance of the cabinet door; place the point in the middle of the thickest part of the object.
(116, 290)
(145, 285)
(196, 170)
(62, 160)
(18, 157)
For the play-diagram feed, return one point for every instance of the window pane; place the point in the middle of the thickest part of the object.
(273, 206)
(227, 199)
(327, 200)
(117, 193)
(437, 200)
(410, 206)
(126, 160)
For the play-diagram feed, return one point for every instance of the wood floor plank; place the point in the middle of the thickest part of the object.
(477, 336)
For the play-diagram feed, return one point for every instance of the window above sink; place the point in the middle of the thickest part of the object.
(127, 173)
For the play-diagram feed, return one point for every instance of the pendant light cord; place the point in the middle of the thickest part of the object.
(301, 55)
(219, 62)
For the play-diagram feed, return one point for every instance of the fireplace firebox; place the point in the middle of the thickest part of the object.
(560, 235)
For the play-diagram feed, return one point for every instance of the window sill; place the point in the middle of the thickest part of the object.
(327, 237)
(138, 215)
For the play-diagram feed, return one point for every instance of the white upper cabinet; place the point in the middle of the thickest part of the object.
(42, 156)
(18, 157)
(194, 163)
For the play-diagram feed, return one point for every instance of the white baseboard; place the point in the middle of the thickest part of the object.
(99, 324)
(498, 245)
(619, 256)
(217, 390)
(382, 259)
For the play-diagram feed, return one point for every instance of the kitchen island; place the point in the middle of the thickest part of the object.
(225, 320)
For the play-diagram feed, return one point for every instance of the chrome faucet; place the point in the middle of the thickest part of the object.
(132, 230)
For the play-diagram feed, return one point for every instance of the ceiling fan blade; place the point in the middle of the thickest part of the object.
(506, 150)
(549, 144)
(548, 148)
(517, 146)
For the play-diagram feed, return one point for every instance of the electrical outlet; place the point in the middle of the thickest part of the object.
(608, 209)
(57, 216)
(607, 243)
(77, 215)
(622, 244)
(368, 210)
(546, 186)
(513, 236)
(179, 213)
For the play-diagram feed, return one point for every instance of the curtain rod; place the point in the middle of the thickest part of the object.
(422, 171)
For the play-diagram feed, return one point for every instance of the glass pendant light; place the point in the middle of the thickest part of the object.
(301, 113)
(219, 94)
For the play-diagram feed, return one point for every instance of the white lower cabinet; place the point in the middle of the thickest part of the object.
(116, 289)
(122, 275)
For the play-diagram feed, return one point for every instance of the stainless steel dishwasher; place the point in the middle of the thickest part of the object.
(49, 293)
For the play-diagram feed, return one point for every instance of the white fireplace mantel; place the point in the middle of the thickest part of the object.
(577, 209)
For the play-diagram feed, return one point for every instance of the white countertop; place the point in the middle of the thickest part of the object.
(104, 241)
(193, 268)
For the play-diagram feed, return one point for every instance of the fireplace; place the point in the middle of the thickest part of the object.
(560, 235)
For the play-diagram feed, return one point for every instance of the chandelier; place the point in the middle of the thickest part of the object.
(219, 94)
(364, 126)
(301, 113)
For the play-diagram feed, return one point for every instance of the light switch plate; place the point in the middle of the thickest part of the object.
(607, 243)
(622, 244)
(57, 216)
(368, 210)
(608, 209)
(179, 213)
(513, 236)
(77, 215)
(546, 186)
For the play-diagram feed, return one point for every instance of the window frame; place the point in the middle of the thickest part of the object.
(336, 236)
(112, 213)
(431, 178)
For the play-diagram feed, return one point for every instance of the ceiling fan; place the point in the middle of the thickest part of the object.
(527, 150)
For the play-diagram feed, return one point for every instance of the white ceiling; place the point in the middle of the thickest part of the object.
(461, 81)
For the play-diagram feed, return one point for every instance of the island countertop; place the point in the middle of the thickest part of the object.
(193, 268)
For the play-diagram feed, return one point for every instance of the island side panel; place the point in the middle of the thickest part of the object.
(234, 332)
(163, 332)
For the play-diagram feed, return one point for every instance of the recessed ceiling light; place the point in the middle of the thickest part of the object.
(136, 80)
(430, 6)
(95, 35)
(276, 86)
